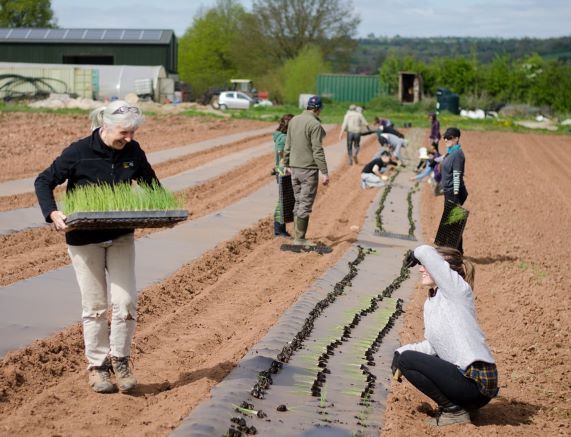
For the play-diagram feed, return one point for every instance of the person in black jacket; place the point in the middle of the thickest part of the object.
(452, 170)
(102, 258)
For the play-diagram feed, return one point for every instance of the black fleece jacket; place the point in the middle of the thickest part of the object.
(90, 161)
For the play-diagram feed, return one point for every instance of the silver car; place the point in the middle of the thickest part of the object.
(234, 100)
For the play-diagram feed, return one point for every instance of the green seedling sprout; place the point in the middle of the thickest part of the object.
(120, 197)
(244, 410)
(323, 398)
(455, 215)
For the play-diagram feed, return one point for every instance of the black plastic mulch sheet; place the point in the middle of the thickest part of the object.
(287, 200)
(452, 224)
(125, 219)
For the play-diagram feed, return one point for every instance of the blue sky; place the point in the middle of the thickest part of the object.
(491, 18)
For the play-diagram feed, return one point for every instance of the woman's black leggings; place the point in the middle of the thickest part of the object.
(441, 381)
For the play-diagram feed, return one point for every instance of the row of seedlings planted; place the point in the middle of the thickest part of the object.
(321, 377)
(412, 226)
(264, 381)
(379, 211)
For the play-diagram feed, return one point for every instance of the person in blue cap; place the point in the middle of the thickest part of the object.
(305, 158)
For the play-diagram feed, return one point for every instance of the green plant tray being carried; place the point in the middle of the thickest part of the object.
(125, 219)
(122, 206)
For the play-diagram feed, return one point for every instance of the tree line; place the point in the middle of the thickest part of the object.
(530, 79)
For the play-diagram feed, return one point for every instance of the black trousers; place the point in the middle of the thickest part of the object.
(461, 198)
(441, 381)
(353, 144)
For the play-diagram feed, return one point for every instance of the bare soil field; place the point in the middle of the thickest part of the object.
(36, 251)
(518, 237)
(193, 328)
(196, 325)
(29, 142)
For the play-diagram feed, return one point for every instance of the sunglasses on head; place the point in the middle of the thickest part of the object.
(125, 109)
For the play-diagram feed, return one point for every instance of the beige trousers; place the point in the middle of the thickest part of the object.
(304, 182)
(106, 272)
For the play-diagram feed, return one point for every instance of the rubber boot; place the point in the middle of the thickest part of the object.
(277, 228)
(283, 231)
(301, 225)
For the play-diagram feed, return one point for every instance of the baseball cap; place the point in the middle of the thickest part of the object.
(451, 132)
(314, 102)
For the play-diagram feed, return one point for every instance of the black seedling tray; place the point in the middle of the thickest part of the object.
(125, 219)
(287, 200)
(452, 225)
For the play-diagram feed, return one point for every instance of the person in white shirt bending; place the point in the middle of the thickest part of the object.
(453, 365)
(354, 123)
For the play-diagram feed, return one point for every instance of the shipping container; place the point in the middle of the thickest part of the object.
(348, 87)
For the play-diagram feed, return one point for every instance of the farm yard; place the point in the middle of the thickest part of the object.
(207, 318)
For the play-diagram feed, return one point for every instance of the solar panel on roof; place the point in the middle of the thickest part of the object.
(113, 34)
(75, 34)
(132, 34)
(83, 35)
(94, 34)
(55, 34)
(151, 35)
(19, 33)
(37, 34)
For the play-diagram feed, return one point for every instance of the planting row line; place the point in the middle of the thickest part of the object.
(359, 346)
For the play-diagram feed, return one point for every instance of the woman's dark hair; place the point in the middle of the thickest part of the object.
(458, 263)
(284, 121)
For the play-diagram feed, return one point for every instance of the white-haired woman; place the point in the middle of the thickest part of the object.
(103, 258)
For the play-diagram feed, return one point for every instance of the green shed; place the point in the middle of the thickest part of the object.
(355, 88)
(90, 46)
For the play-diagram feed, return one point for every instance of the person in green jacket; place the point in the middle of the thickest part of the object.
(279, 137)
(305, 158)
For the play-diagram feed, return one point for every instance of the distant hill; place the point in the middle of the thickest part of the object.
(371, 52)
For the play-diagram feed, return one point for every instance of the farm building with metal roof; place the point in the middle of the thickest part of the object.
(90, 46)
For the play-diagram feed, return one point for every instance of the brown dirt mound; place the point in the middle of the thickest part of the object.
(518, 237)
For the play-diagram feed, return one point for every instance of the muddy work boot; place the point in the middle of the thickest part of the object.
(451, 417)
(301, 225)
(100, 378)
(125, 379)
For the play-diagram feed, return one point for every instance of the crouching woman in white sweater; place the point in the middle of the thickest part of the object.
(453, 365)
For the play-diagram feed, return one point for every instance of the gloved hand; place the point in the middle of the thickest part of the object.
(397, 374)
(394, 364)
(410, 260)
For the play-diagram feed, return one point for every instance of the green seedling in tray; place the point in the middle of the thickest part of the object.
(456, 215)
(119, 197)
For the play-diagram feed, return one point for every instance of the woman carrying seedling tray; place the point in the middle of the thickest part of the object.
(108, 156)
(453, 365)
